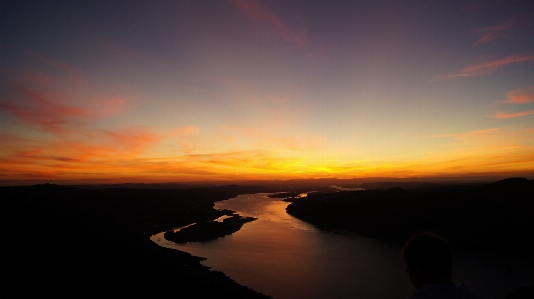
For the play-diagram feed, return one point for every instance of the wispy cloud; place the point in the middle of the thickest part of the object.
(466, 135)
(260, 14)
(495, 151)
(502, 161)
(73, 74)
(488, 34)
(101, 161)
(96, 150)
(50, 111)
(521, 96)
(490, 67)
(504, 115)
(42, 112)
(56, 97)
(133, 140)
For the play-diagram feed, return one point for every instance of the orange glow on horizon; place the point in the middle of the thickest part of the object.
(237, 166)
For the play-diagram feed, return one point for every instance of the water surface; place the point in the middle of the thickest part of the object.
(284, 257)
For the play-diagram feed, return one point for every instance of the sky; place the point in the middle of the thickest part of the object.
(170, 91)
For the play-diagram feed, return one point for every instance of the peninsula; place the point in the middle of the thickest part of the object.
(494, 217)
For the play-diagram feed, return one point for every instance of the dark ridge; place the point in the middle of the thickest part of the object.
(73, 242)
(403, 185)
(511, 183)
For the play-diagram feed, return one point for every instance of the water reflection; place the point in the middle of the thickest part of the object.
(286, 258)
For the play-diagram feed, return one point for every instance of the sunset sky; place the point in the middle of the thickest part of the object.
(170, 91)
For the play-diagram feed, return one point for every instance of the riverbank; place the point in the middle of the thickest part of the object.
(73, 242)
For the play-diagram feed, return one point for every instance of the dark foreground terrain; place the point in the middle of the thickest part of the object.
(78, 242)
(497, 218)
(74, 242)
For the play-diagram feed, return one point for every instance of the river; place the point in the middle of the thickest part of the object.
(284, 257)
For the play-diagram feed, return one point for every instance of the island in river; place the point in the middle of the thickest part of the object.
(208, 230)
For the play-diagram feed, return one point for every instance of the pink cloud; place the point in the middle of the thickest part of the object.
(260, 14)
(503, 115)
(73, 74)
(492, 33)
(490, 67)
(49, 111)
(57, 99)
(522, 96)
(489, 34)
(42, 112)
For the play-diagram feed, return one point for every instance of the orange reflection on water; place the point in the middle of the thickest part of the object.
(286, 258)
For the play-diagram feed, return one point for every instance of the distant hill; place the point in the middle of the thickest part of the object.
(146, 186)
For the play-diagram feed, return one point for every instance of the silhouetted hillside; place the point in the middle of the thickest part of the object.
(72, 242)
(495, 216)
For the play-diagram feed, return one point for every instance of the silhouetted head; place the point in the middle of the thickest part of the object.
(428, 260)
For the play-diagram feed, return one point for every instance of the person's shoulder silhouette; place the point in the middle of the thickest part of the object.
(429, 264)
